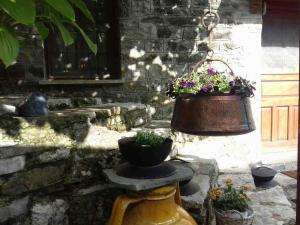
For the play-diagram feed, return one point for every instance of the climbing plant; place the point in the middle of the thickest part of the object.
(44, 15)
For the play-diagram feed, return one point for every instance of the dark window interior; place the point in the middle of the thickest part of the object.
(77, 61)
(281, 23)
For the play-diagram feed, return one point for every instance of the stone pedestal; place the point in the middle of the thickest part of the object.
(182, 173)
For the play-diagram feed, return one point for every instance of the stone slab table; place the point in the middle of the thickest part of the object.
(182, 173)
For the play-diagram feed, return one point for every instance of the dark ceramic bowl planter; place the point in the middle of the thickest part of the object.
(144, 155)
(263, 174)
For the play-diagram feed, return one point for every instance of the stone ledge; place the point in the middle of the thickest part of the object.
(73, 127)
(11, 165)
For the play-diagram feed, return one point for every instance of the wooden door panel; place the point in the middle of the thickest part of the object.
(279, 112)
(266, 127)
(280, 88)
(293, 121)
(296, 114)
(283, 123)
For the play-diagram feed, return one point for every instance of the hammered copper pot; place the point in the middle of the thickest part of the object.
(212, 115)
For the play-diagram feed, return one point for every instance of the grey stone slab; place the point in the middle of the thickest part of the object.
(16, 150)
(197, 199)
(272, 196)
(12, 165)
(236, 170)
(285, 181)
(16, 208)
(182, 173)
(200, 165)
(54, 156)
(272, 207)
(238, 179)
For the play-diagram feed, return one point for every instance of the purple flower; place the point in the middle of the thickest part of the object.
(191, 84)
(211, 72)
(186, 84)
(204, 88)
(182, 84)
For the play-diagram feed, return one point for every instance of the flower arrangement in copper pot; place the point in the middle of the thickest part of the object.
(211, 102)
(206, 80)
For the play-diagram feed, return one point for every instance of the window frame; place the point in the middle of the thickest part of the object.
(114, 59)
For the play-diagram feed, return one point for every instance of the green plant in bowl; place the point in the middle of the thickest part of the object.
(148, 138)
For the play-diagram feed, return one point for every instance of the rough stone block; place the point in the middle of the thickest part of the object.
(154, 46)
(238, 179)
(55, 103)
(50, 213)
(54, 155)
(11, 165)
(170, 32)
(15, 208)
(272, 207)
(33, 180)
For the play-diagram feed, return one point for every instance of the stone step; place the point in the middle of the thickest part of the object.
(55, 103)
(66, 128)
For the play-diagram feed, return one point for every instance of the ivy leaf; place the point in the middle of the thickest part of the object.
(92, 45)
(63, 7)
(83, 8)
(42, 29)
(9, 46)
(23, 11)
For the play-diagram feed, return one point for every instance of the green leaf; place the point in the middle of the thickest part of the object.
(9, 46)
(83, 8)
(23, 11)
(63, 7)
(42, 29)
(92, 45)
(65, 33)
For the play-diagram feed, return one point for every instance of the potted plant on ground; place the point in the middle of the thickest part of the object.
(231, 204)
(211, 102)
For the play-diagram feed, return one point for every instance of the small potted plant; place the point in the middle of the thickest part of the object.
(146, 149)
(231, 204)
(211, 102)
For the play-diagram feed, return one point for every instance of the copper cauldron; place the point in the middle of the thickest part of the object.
(212, 115)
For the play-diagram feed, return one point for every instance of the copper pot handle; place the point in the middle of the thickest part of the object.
(212, 60)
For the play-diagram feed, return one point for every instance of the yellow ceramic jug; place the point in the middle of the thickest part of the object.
(160, 206)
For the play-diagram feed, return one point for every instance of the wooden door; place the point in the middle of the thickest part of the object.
(279, 112)
(280, 79)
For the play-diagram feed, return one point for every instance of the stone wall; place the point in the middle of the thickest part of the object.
(55, 186)
(51, 168)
